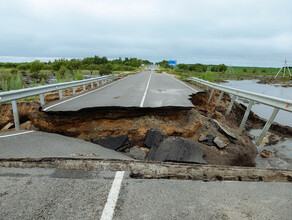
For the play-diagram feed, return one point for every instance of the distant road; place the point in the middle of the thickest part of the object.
(147, 89)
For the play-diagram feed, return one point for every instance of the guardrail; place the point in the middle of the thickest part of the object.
(14, 95)
(277, 103)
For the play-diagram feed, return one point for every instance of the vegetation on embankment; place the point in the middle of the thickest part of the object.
(19, 75)
(217, 73)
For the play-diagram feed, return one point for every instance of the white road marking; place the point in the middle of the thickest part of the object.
(144, 96)
(10, 135)
(109, 209)
(59, 103)
(183, 83)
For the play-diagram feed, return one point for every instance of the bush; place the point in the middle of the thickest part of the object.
(4, 85)
(78, 76)
(254, 70)
(58, 77)
(67, 77)
(105, 69)
(183, 66)
(263, 71)
(92, 67)
(214, 69)
(198, 67)
(13, 71)
(36, 67)
(244, 70)
(11, 82)
(62, 71)
(23, 66)
(222, 67)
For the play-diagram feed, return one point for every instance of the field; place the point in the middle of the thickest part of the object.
(234, 73)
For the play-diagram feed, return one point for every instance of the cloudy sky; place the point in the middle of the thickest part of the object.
(237, 32)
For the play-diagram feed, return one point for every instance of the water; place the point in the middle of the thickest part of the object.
(283, 117)
(282, 154)
(282, 151)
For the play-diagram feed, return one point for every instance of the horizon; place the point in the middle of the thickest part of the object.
(14, 59)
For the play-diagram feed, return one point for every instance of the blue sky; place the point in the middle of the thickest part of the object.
(253, 33)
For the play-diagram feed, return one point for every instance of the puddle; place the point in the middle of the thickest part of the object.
(282, 152)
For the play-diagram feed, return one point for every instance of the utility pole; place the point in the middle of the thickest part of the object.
(284, 67)
(229, 69)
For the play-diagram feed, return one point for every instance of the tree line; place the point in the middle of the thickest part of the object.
(198, 67)
(102, 64)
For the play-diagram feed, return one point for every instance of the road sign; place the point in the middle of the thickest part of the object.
(172, 63)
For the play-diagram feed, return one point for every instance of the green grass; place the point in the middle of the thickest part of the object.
(238, 73)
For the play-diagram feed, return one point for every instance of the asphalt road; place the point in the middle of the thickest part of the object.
(41, 144)
(62, 194)
(147, 89)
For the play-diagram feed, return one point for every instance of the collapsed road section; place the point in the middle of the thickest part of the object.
(174, 123)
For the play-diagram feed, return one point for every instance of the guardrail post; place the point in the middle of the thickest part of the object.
(15, 114)
(219, 99)
(230, 105)
(74, 91)
(246, 114)
(267, 126)
(91, 85)
(60, 94)
(212, 91)
(84, 88)
(42, 99)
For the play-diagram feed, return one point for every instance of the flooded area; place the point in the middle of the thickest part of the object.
(264, 111)
(281, 152)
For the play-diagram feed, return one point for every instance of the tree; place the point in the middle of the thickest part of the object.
(36, 67)
(105, 69)
(214, 69)
(222, 67)
(183, 66)
(23, 66)
(92, 67)
(198, 67)
(58, 63)
(73, 65)
(163, 64)
(62, 71)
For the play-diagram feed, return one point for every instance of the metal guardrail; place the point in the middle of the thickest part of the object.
(14, 95)
(277, 103)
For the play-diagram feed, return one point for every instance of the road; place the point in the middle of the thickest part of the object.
(41, 144)
(39, 193)
(147, 89)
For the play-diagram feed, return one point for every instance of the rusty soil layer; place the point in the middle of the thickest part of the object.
(155, 170)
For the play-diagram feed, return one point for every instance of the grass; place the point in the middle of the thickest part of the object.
(11, 81)
(237, 73)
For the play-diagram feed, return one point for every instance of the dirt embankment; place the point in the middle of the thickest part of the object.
(279, 81)
(236, 114)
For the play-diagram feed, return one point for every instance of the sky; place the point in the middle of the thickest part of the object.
(234, 32)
